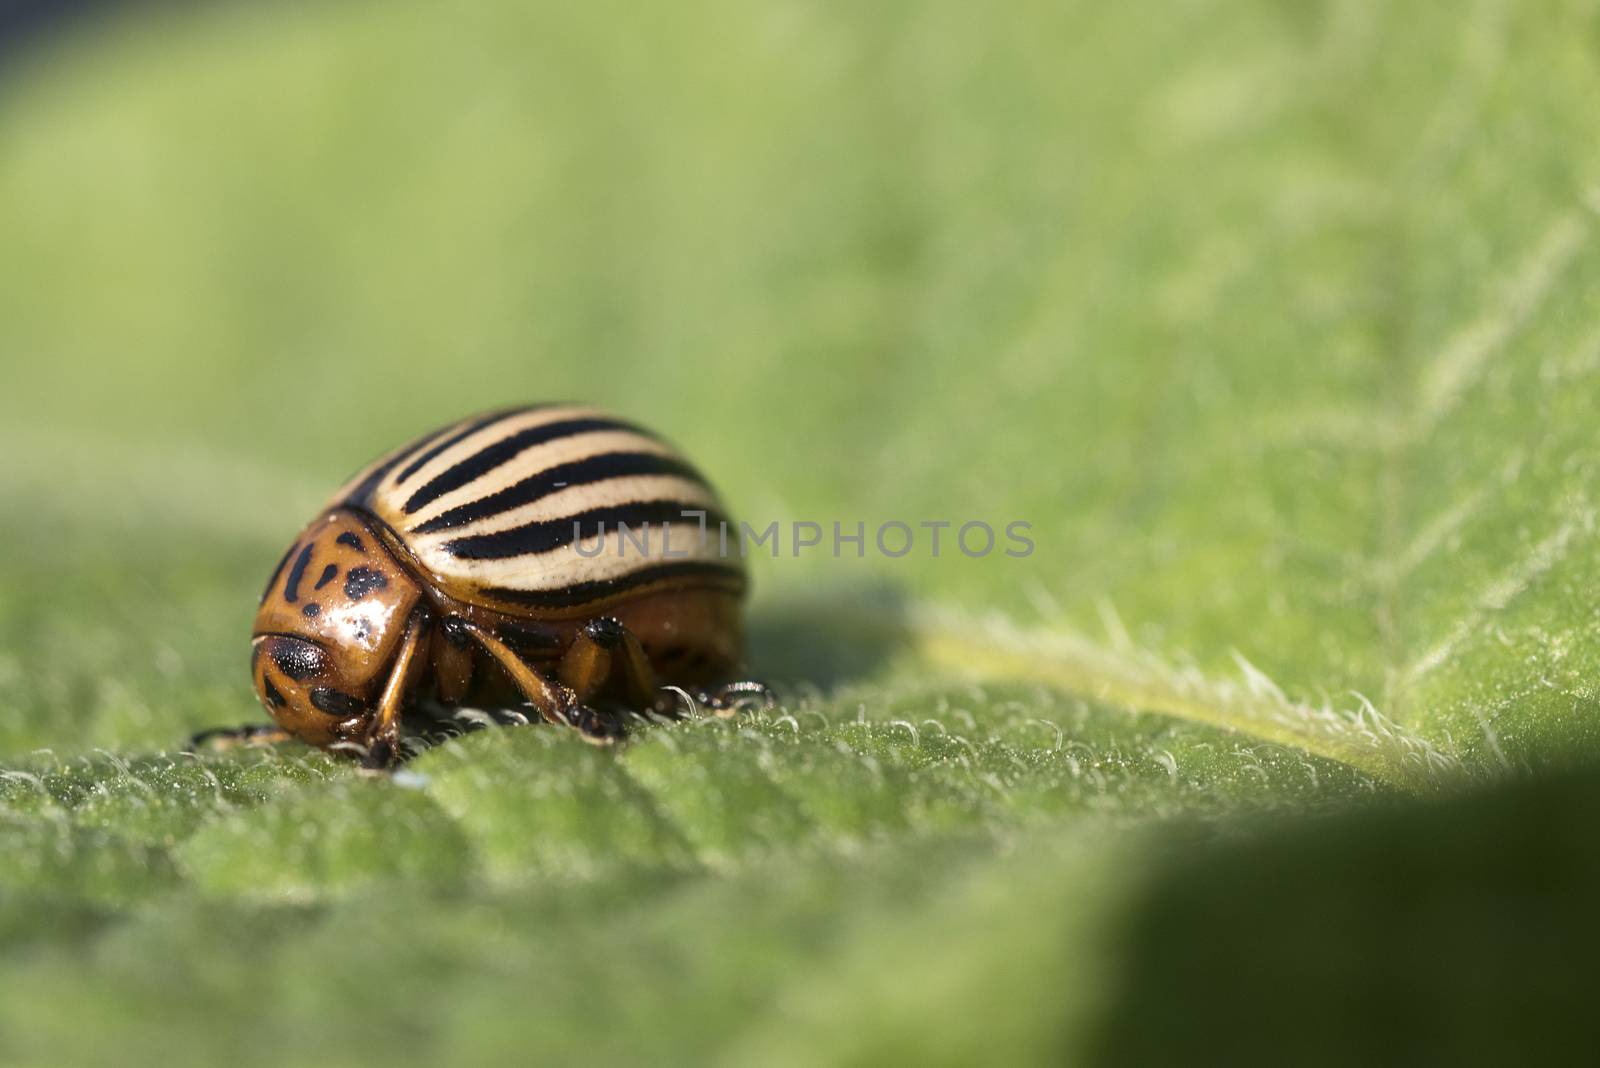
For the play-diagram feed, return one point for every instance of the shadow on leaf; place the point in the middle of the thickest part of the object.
(831, 638)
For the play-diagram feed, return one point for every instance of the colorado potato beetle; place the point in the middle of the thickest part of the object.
(494, 559)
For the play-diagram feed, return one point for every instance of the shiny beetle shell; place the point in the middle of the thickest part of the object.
(554, 552)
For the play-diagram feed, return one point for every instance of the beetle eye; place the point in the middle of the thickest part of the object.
(296, 657)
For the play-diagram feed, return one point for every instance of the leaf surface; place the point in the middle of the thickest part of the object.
(1270, 327)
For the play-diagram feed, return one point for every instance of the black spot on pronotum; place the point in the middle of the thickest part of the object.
(296, 657)
(291, 588)
(327, 576)
(352, 540)
(312, 610)
(336, 702)
(361, 581)
(274, 698)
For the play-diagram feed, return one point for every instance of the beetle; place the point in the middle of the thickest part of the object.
(501, 557)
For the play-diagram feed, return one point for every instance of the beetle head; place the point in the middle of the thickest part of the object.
(330, 621)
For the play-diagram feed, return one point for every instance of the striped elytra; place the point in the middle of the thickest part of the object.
(552, 554)
(507, 509)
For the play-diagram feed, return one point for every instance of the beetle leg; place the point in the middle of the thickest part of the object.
(219, 738)
(383, 741)
(605, 648)
(728, 698)
(451, 655)
(552, 702)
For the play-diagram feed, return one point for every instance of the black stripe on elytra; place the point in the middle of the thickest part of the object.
(291, 588)
(492, 456)
(327, 574)
(548, 534)
(349, 538)
(296, 657)
(584, 592)
(362, 491)
(360, 581)
(459, 436)
(336, 702)
(274, 698)
(273, 581)
(562, 476)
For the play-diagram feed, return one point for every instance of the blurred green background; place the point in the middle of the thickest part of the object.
(1277, 321)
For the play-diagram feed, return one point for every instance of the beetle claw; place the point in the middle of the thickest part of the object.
(731, 698)
(252, 734)
(380, 756)
(594, 726)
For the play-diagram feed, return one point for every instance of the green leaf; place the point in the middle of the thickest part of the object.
(1274, 323)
